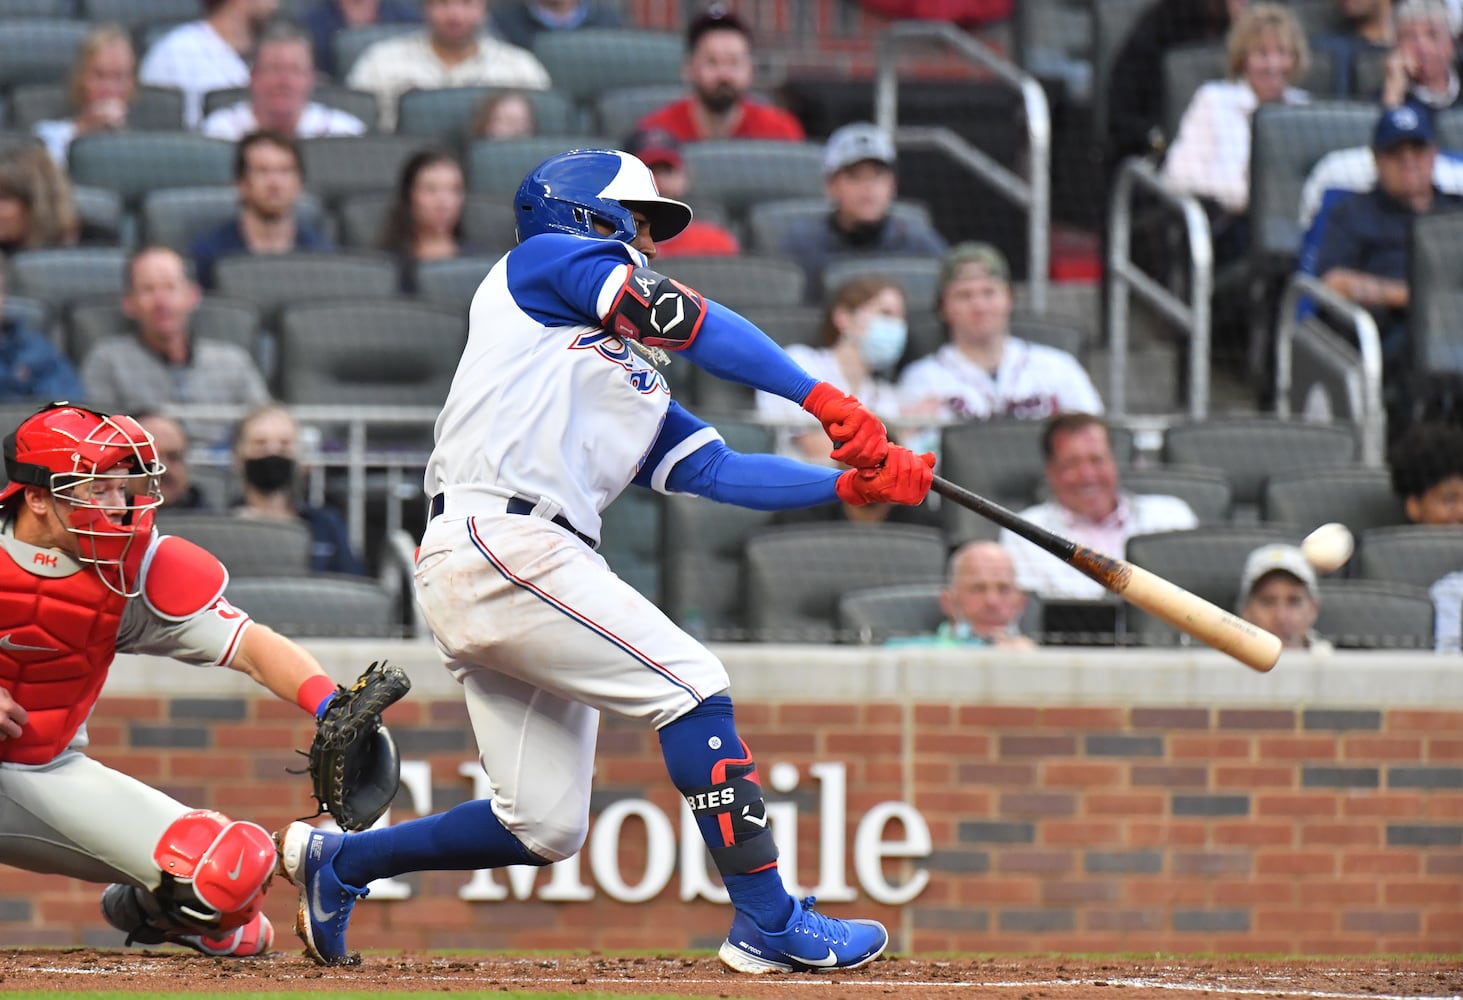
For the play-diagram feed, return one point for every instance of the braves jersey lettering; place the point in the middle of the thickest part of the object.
(616, 350)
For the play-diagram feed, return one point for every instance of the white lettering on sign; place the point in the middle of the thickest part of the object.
(684, 855)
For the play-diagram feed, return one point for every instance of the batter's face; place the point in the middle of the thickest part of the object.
(1280, 603)
(1082, 473)
(642, 240)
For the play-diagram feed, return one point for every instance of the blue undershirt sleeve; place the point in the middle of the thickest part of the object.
(731, 347)
(759, 482)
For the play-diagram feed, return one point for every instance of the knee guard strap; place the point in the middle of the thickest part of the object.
(214, 870)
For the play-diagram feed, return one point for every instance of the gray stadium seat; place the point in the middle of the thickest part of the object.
(799, 324)
(31, 313)
(769, 221)
(580, 61)
(619, 110)
(62, 276)
(1112, 22)
(1372, 614)
(134, 163)
(36, 8)
(38, 49)
(349, 43)
(488, 223)
(1052, 334)
(1251, 449)
(1206, 491)
(917, 274)
(796, 574)
(740, 281)
(740, 172)
(216, 319)
(1356, 496)
(322, 605)
(1416, 554)
(359, 103)
(497, 166)
(1188, 67)
(445, 114)
(1002, 461)
(176, 216)
(385, 353)
(1206, 561)
(451, 284)
(272, 281)
(701, 572)
(1436, 279)
(630, 539)
(337, 167)
(247, 546)
(153, 108)
(133, 14)
(879, 613)
(101, 213)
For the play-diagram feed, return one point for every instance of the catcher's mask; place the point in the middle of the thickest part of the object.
(102, 473)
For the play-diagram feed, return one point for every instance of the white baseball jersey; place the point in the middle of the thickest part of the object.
(1033, 381)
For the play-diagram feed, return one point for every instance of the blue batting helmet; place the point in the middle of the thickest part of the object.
(566, 194)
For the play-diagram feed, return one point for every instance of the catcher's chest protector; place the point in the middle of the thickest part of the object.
(58, 635)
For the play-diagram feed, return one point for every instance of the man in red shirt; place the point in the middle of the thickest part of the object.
(719, 69)
(660, 151)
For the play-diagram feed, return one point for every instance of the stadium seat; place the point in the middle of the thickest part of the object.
(1416, 554)
(1373, 614)
(580, 61)
(349, 43)
(321, 605)
(701, 571)
(444, 115)
(60, 9)
(134, 14)
(360, 103)
(918, 275)
(740, 172)
(488, 225)
(157, 109)
(215, 319)
(1062, 336)
(630, 539)
(880, 613)
(61, 277)
(175, 217)
(496, 167)
(1206, 491)
(272, 281)
(1251, 449)
(337, 167)
(1437, 293)
(796, 574)
(1206, 560)
(618, 110)
(451, 284)
(38, 49)
(135, 163)
(1188, 67)
(387, 353)
(797, 324)
(100, 211)
(247, 546)
(768, 221)
(30, 313)
(740, 281)
(1354, 495)
(1112, 22)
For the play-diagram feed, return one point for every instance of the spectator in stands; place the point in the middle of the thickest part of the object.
(661, 152)
(719, 70)
(37, 210)
(425, 222)
(981, 601)
(1363, 253)
(453, 51)
(1447, 595)
(31, 366)
(1423, 68)
(207, 54)
(1278, 592)
(1369, 30)
(1426, 465)
(519, 22)
(983, 371)
(280, 83)
(1210, 158)
(176, 483)
(1135, 90)
(858, 172)
(508, 114)
(327, 17)
(863, 336)
(103, 83)
(270, 178)
(164, 362)
(266, 456)
(1086, 506)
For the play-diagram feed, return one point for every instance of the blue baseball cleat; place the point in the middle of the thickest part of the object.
(810, 942)
(305, 858)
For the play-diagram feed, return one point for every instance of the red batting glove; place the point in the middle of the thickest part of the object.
(903, 478)
(860, 436)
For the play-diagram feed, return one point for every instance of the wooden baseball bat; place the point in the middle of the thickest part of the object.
(1185, 611)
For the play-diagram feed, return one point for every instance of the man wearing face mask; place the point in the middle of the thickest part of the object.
(266, 444)
(858, 171)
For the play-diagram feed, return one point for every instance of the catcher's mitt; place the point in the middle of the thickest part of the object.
(354, 765)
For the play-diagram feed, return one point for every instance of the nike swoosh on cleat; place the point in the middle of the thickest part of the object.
(322, 915)
(8, 643)
(822, 963)
(234, 875)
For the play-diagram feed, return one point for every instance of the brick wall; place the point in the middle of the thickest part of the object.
(1089, 826)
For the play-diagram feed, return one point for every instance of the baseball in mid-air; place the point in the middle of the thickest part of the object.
(1328, 547)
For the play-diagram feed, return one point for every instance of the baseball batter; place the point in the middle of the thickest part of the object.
(83, 575)
(556, 408)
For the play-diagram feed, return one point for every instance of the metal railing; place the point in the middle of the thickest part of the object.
(1030, 193)
(1360, 358)
(1124, 277)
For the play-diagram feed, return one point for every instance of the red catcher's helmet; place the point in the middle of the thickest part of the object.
(80, 456)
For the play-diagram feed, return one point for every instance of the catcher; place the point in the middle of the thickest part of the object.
(83, 576)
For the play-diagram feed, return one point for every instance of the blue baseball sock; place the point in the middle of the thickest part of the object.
(703, 752)
(464, 838)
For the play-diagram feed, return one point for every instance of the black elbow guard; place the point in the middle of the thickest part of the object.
(656, 310)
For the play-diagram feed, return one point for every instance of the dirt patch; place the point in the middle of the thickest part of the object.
(928, 979)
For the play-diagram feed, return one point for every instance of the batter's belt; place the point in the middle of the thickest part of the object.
(511, 505)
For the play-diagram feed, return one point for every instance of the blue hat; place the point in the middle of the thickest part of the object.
(1403, 124)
